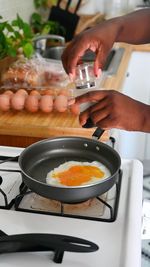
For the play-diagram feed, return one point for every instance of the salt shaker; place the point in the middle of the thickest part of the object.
(85, 81)
(85, 78)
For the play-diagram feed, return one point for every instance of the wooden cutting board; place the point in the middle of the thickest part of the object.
(24, 128)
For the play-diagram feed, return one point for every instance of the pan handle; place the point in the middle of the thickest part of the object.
(97, 133)
(89, 123)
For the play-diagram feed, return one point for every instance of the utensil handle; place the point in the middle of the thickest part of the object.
(97, 133)
(77, 6)
(58, 3)
(89, 123)
(68, 4)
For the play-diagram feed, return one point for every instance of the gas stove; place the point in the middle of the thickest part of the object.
(110, 223)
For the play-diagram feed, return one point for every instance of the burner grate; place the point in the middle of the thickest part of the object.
(4, 195)
(6, 204)
(10, 180)
(27, 201)
(27, 197)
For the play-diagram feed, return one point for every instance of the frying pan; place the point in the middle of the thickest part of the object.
(41, 157)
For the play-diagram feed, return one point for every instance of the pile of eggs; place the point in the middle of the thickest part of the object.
(33, 101)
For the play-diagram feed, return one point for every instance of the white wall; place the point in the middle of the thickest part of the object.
(9, 9)
(93, 6)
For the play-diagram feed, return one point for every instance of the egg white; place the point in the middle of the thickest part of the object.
(65, 166)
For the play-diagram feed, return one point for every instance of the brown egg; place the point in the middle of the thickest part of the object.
(17, 102)
(47, 92)
(4, 102)
(63, 92)
(61, 103)
(22, 92)
(71, 101)
(18, 99)
(32, 103)
(75, 109)
(8, 92)
(46, 103)
(35, 93)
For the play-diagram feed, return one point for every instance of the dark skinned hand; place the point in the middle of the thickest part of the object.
(99, 39)
(114, 110)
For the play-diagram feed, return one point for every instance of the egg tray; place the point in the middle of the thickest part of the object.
(45, 100)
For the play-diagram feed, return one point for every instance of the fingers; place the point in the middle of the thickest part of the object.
(101, 56)
(72, 54)
(107, 123)
(101, 110)
(98, 64)
(96, 112)
(93, 96)
(96, 116)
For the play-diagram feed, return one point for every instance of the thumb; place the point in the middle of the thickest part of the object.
(98, 64)
(100, 60)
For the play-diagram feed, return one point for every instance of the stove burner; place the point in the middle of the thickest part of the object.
(45, 242)
(28, 201)
(43, 205)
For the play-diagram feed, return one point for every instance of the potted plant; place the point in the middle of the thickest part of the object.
(15, 39)
(39, 20)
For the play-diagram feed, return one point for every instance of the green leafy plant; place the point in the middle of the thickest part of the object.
(44, 27)
(44, 3)
(16, 36)
(39, 24)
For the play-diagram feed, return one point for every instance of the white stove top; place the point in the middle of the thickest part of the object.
(119, 242)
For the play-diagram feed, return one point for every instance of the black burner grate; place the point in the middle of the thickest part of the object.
(113, 209)
(6, 205)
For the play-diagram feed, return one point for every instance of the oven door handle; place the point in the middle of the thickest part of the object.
(45, 242)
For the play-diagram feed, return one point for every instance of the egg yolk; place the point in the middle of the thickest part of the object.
(77, 175)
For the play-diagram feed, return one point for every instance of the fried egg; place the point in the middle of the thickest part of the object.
(76, 173)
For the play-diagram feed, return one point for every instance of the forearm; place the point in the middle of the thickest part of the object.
(133, 28)
(145, 126)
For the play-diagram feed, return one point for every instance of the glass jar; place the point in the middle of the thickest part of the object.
(85, 77)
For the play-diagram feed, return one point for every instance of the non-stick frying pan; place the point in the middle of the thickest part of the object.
(40, 158)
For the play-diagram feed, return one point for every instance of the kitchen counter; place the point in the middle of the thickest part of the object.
(23, 128)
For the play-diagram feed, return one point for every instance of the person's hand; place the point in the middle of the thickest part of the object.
(113, 110)
(99, 39)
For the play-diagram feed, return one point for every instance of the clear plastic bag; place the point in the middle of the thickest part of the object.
(35, 73)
